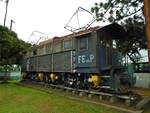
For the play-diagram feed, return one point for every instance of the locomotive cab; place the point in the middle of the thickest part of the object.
(113, 73)
(108, 54)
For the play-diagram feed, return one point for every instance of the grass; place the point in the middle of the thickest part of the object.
(17, 99)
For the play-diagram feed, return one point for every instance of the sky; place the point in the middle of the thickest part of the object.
(46, 16)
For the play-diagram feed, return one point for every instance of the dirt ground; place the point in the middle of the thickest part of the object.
(144, 92)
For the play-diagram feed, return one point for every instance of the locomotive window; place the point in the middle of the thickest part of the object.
(83, 43)
(114, 44)
(103, 43)
(34, 52)
(57, 47)
(48, 49)
(42, 51)
(28, 54)
(38, 51)
(67, 45)
(106, 43)
(109, 44)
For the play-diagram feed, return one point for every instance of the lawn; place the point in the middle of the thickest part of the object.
(18, 99)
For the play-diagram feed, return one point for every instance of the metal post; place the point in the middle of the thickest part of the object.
(147, 21)
(6, 12)
(11, 22)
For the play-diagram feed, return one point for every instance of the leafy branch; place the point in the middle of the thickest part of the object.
(130, 15)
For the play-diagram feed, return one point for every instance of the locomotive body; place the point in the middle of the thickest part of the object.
(83, 60)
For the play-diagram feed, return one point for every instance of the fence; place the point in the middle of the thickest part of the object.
(11, 74)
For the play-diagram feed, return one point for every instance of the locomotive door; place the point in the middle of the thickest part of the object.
(105, 52)
(28, 64)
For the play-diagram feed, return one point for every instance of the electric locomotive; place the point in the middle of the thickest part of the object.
(87, 59)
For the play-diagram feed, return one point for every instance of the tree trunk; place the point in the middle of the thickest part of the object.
(147, 21)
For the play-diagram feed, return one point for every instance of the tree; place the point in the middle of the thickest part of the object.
(130, 15)
(10, 46)
(147, 21)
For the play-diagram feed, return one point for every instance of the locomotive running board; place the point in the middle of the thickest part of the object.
(125, 97)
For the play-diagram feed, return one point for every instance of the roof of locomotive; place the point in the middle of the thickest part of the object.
(55, 39)
(116, 31)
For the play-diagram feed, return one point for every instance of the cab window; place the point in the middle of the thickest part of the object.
(106, 43)
(83, 43)
(114, 44)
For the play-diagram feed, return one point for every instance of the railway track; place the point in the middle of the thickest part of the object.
(77, 94)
